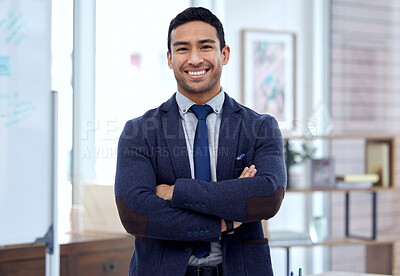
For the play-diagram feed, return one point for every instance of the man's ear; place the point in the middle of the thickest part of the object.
(169, 57)
(226, 51)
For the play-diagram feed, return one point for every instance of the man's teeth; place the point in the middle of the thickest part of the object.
(197, 73)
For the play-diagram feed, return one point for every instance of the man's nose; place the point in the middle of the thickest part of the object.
(195, 58)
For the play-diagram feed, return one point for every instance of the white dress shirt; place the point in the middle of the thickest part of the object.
(189, 123)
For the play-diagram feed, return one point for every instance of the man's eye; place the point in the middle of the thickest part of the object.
(181, 49)
(206, 47)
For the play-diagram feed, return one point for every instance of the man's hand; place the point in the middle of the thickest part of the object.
(248, 172)
(165, 191)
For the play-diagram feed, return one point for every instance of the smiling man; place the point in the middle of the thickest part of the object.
(196, 176)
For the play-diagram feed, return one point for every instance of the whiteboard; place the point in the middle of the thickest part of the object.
(25, 120)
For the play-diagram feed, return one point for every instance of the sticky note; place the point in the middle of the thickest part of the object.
(5, 65)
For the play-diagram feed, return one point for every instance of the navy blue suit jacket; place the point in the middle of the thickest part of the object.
(152, 150)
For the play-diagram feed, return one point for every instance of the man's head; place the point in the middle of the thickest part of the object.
(196, 55)
(197, 14)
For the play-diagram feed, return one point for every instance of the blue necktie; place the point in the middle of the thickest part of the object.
(201, 156)
(201, 153)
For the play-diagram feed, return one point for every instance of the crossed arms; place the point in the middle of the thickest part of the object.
(166, 192)
(195, 206)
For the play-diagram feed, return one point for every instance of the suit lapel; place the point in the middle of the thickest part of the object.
(228, 139)
(174, 137)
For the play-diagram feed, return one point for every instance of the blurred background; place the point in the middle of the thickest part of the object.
(341, 99)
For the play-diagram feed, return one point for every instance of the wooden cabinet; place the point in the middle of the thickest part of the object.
(95, 255)
(22, 260)
(86, 255)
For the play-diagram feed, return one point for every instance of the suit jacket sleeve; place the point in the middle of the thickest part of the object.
(245, 199)
(141, 211)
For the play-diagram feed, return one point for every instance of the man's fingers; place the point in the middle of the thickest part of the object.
(253, 172)
(165, 191)
(248, 172)
(236, 224)
(243, 174)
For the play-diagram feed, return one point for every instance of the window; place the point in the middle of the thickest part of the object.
(132, 75)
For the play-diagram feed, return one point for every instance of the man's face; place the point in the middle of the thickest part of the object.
(196, 58)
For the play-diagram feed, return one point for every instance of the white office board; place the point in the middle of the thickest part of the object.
(25, 120)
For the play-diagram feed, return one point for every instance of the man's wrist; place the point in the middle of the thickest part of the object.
(171, 190)
(223, 226)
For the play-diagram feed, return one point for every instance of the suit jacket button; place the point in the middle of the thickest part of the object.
(197, 206)
(195, 234)
(207, 232)
(186, 205)
(190, 234)
(203, 207)
(201, 233)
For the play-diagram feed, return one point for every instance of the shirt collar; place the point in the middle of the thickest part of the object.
(216, 103)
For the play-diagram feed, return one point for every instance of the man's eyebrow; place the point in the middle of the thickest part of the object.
(179, 43)
(207, 41)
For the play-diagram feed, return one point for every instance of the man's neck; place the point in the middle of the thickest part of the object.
(201, 98)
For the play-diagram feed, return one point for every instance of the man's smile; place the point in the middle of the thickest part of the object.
(196, 73)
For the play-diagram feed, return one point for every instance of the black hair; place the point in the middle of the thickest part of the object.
(197, 14)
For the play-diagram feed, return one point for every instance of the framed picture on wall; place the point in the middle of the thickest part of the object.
(268, 72)
(379, 160)
(322, 173)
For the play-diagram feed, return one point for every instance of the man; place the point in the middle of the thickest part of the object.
(196, 176)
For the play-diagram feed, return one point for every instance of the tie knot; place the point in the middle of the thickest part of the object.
(201, 111)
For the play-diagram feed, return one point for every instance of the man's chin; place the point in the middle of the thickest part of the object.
(198, 90)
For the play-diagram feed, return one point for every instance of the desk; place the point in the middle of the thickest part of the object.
(337, 273)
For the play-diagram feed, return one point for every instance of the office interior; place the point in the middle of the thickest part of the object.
(109, 65)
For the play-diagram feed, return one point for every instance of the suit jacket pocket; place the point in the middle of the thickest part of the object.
(147, 256)
(260, 241)
(258, 258)
(243, 160)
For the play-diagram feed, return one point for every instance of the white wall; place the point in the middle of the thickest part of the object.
(285, 15)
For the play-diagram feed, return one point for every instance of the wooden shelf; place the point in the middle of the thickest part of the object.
(341, 273)
(310, 190)
(329, 242)
(341, 137)
(378, 246)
